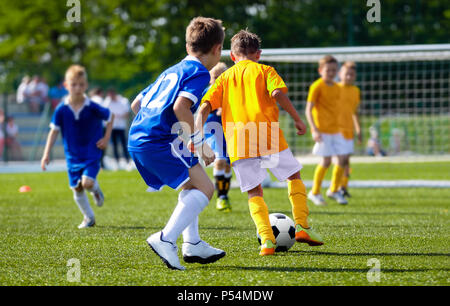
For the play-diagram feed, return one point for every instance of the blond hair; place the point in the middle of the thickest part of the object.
(76, 71)
(202, 34)
(218, 70)
(328, 59)
(349, 65)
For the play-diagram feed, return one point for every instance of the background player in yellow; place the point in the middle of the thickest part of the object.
(322, 111)
(248, 93)
(348, 118)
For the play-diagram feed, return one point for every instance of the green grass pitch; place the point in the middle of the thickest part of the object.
(405, 230)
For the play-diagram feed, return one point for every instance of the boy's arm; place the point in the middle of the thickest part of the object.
(357, 127)
(286, 104)
(136, 105)
(314, 130)
(51, 138)
(103, 142)
(182, 110)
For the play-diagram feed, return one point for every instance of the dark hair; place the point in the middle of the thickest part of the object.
(245, 42)
(203, 33)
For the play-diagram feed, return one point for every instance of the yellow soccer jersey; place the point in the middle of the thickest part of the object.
(249, 113)
(325, 110)
(348, 105)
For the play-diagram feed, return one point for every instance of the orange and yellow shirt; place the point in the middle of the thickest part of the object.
(348, 106)
(249, 113)
(325, 110)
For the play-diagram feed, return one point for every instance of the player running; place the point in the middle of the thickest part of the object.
(162, 159)
(80, 123)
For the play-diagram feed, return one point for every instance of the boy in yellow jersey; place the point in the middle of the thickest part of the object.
(348, 118)
(248, 94)
(322, 110)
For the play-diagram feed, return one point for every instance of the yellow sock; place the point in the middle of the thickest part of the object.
(336, 178)
(297, 196)
(344, 181)
(319, 174)
(260, 215)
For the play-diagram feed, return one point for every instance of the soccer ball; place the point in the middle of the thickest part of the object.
(284, 231)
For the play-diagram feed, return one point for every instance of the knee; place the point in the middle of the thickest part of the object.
(326, 162)
(256, 192)
(87, 184)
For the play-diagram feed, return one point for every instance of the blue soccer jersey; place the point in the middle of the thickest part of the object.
(153, 125)
(80, 130)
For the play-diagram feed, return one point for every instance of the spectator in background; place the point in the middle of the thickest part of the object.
(374, 144)
(97, 95)
(120, 107)
(2, 135)
(56, 93)
(12, 130)
(38, 90)
(23, 91)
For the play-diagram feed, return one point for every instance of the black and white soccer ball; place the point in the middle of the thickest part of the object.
(284, 231)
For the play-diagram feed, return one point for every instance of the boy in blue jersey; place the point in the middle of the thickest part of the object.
(80, 123)
(162, 159)
(216, 140)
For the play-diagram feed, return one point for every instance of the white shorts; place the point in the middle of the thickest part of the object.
(331, 145)
(348, 146)
(251, 172)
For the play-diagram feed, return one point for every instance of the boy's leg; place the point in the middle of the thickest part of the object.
(297, 197)
(222, 175)
(82, 202)
(90, 183)
(338, 172)
(260, 216)
(319, 174)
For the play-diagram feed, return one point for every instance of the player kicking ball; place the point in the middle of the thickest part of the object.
(248, 94)
(154, 145)
(80, 122)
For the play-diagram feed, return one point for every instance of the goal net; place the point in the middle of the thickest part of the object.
(404, 94)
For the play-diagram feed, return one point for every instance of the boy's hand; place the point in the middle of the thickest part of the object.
(44, 162)
(207, 154)
(102, 143)
(316, 135)
(301, 127)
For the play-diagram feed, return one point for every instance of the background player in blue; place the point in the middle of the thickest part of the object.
(161, 159)
(80, 123)
(216, 140)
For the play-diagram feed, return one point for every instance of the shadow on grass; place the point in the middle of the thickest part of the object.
(353, 213)
(311, 269)
(366, 254)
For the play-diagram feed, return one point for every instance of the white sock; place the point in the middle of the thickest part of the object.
(191, 234)
(83, 204)
(218, 172)
(228, 174)
(94, 188)
(190, 205)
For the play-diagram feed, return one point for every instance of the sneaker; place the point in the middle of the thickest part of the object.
(86, 223)
(167, 251)
(317, 199)
(98, 196)
(307, 235)
(267, 248)
(344, 192)
(223, 204)
(337, 196)
(201, 252)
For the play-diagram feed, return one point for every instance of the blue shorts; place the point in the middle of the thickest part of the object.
(215, 137)
(77, 170)
(167, 164)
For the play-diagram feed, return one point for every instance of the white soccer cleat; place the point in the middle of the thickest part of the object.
(337, 196)
(317, 199)
(167, 251)
(201, 252)
(86, 223)
(99, 198)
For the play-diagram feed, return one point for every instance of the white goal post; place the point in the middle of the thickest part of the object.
(405, 93)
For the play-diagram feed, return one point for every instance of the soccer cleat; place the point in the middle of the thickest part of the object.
(267, 248)
(307, 235)
(317, 199)
(86, 223)
(337, 196)
(223, 204)
(98, 196)
(167, 251)
(201, 252)
(344, 192)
